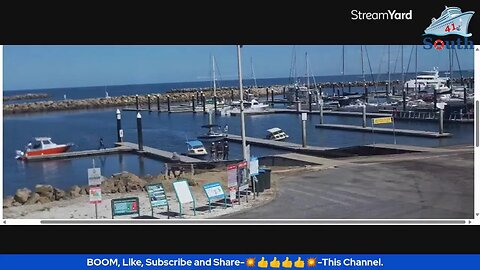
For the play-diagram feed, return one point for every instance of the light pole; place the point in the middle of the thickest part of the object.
(242, 114)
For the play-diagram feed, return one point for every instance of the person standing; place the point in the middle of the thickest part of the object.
(225, 150)
(212, 151)
(101, 146)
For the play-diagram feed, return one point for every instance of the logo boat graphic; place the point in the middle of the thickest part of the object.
(452, 21)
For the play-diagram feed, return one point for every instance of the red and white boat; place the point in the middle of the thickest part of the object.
(42, 146)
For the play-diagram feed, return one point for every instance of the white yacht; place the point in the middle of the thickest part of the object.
(451, 21)
(276, 134)
(428, 79)
(248, 107)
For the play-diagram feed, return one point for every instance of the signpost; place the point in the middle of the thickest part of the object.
(94, 181)
(254, 173)
(94, 176)
(184, 195)
(384, 120)
(158, 197)
(95, 197)
(232, 182)
(125, 206)
(214, 191)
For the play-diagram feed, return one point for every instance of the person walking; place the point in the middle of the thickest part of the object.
(101, 146)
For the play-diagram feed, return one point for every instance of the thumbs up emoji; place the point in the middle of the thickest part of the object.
(275, 263)
(262, 263)
(299, 263)
(287, 263)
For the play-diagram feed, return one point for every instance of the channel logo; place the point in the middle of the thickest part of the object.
(452, 21)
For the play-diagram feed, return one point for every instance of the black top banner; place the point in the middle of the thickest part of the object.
(241, 22)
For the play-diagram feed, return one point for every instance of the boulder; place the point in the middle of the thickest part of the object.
(84, 190)
(8, 202)
(130, 181)
(121, 189)
(43, 200)
(59, 194)
(74, 191)
(108, 186)
(45, 191)
(33, 199)
(22, 195)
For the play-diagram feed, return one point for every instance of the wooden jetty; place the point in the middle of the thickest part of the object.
(326, 112)
(400, 132)
(159, 154)
(297, 148)
(85, 153)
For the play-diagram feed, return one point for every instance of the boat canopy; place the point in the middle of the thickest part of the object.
(272, 130)
(42, 139)
(194, 143)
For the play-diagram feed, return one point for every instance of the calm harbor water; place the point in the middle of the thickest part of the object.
(169, 132)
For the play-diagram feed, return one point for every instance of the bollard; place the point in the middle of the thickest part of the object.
(136, 101)
(215, 104)
(231, 95)
(193, 103)
(272, 97)
(158, 102)
(168, 103)
(465, 98)
(203, 102)
(364, 116)
(310, 101)
(198, 97)
(296, 93)
(349, 87)
(304, 130)
(284, 92)
(267, 93)
(404, 97)
(393, 91)
(139, 132)
(299, 105)
(440, 122)
(119, 127)
(148, 102)
(434, 99)
(366, 94)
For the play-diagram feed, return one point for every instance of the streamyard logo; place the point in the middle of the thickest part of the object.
(452, 21)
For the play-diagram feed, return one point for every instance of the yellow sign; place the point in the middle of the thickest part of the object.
(382, 120)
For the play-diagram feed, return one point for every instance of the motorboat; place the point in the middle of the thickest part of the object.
(276, 134)
(42, 146)
(195, 148)
(451, 21)
(248, 107)
(214, 132)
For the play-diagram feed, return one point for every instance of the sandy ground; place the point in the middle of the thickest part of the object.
(80, 208)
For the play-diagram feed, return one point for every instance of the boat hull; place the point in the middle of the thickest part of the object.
(56, 150)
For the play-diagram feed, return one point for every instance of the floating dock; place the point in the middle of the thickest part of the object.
(85, 153)
(159, 154)
(400, 132)
(297, 148)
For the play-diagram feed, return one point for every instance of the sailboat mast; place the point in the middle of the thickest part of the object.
(242, 113)
(450, 62)
(343, 62)
(363, 71)
(253, 72)
(214, 79)
(403, 78)
(388, 64)
(306, 70)
(416, 67)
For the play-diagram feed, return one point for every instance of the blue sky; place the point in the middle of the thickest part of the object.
(36, 67)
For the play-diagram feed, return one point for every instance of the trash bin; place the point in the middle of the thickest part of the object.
(259, 185)
(266, 177)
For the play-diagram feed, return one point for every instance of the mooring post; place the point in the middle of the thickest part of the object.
(136, 101)
(364, 115)
(273, 96)
(343, 89)
(198, 97)
(366, 93)
(215, 104)
(284, 92)
(139, 132)
(434, 99)
(193, 103)
(320, 101)
(203, 101)
(393, 90)
(304, 130)
(299, 105)
(465, 98)
(148, 102)
(310, 101)
(119, 126)
(158, 102)
(349, 87)
(231, 95)
(404, 97)
(333, 89)
(267, 93)
(168, 103)
(440, 121)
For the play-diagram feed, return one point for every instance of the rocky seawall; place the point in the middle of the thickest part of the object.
(26, 96)
(120, 101)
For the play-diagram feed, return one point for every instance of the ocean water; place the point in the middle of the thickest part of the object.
(169, 132)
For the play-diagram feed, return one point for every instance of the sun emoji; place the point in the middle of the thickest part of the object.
(311, 262)
(250, 262)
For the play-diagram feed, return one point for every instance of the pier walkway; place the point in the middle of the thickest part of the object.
(160, 154)
(85, 153)
(400, 132)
